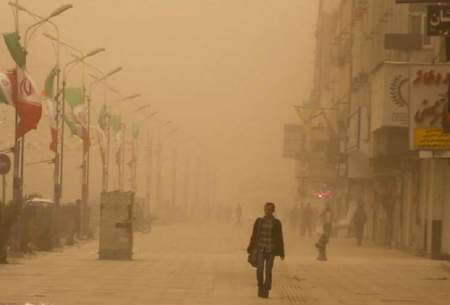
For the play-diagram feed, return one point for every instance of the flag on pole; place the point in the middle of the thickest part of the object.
(7, 85)
(16, 50)
(103, 117)
(49, 96)
(28, 103)
(116, 125)
(102, 143)
(76, 117)
(136, 129)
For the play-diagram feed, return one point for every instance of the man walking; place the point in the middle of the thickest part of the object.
(266, 242)
(321, 245)
(359, 222)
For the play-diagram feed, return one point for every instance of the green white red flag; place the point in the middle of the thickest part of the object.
(76, 116)
(49, 97)
(116, 125)
(7, 85)
(28, 102)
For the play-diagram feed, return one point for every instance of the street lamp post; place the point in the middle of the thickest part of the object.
(85, 175)
(19, 142)
(121, 161)
(60, 155)
(159, 160)
(85, 165)
(174, 170)
(149, 169)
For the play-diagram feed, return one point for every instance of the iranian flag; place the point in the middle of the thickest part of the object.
(28, 102)
(50, 102)
(7, 85)
(116, 125)
(136, 129)
(76, 117)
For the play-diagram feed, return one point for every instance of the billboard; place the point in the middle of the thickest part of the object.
(438, 20)
(421, 1)
(428, 104)
(389, 95)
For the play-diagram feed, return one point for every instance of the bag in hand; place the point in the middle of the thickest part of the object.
(253, 258)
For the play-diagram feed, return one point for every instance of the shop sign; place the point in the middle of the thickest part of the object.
(429, 89)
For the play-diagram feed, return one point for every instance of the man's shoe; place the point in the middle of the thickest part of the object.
(265, 294)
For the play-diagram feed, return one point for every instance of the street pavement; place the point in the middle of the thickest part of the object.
(206, 265)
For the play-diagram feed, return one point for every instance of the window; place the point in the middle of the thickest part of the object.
(417, 25)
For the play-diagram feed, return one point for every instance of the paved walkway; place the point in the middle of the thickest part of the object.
(202, 265)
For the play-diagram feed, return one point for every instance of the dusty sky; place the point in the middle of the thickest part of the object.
(227, 72)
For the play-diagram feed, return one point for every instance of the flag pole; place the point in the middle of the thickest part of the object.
(107, 154)
(18, 151)
(122, 159)
(148, 176)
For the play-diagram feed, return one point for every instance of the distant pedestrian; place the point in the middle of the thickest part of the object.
(327, 220)
(307, 220)
(359, 222)
(266, 242)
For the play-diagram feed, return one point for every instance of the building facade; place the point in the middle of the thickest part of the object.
(366, 51)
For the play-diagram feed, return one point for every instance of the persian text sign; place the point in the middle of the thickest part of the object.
(431, 138)
(438, 20)
(429, 88)
(421, 1)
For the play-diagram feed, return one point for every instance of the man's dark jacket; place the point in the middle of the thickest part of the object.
(277, 235)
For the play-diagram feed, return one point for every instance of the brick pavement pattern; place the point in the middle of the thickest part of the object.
(206, 265)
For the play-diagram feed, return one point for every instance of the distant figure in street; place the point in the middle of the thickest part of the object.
(266, 242)
(327, 221)
(239, 215)
(327, 218)
(359, 222)
(307, 220)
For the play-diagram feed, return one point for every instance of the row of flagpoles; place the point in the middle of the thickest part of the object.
(18, 90)
(69, 106)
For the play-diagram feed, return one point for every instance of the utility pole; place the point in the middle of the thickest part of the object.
(107, 156)
(186, 184)
(133, 165)
(85, 137)
(18, 153)
(174, 176)
(149, 170)
(198, 174)
(122, 160)
(159, 154)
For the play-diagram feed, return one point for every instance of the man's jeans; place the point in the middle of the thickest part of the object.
(265, 266)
